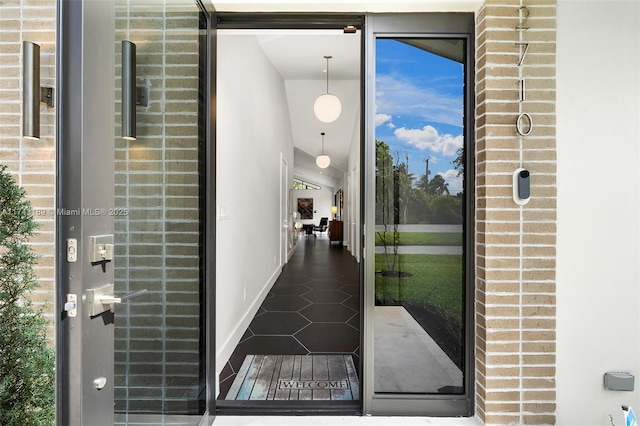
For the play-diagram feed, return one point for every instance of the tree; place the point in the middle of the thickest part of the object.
(437, 186)
(405, 186)
(27, 377)
(458, 163)
(445, 209)
(387, 204)
(422, 183)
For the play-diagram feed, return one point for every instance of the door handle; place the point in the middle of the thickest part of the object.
(102, 299)
(111, 299)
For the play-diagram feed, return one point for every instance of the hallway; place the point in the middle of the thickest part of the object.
(313, 308)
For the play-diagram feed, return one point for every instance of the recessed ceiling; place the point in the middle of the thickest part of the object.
(299, 54)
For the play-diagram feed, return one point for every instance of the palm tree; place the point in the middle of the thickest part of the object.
(405, 186)
(437, 186)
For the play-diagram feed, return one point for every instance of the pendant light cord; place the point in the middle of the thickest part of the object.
(327, 74)
(327, 57)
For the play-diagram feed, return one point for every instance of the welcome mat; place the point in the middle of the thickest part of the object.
(296, 377)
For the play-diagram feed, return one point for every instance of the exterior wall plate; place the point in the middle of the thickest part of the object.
(46, 95)
(142, 96)
(618, 381)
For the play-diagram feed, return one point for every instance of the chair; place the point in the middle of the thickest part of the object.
(322, 226)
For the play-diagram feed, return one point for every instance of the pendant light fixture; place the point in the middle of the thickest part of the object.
(323, 159)
(327, 107)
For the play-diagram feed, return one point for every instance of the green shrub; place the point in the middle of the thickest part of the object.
(27, 364)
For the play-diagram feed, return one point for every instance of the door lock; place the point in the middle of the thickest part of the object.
(71, 305)
(102, 299)
(72, 250)
(101, 248)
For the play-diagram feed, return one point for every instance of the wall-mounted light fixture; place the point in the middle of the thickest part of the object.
(128, 91)
(327, 107)
(323, 159)
(32, 93)
(132, 95)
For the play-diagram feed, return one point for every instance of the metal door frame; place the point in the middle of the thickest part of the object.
(209, 225)
(297, 21)
(85, 156)
(85, 134)
(431, 25)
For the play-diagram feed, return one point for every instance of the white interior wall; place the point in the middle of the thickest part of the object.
(598, 134)
(253, 129)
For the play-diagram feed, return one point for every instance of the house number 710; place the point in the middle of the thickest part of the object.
(524, 123)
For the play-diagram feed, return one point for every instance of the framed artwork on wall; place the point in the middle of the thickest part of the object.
(305, 208)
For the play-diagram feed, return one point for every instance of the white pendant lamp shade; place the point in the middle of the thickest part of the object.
(323, 159)
(327, 107)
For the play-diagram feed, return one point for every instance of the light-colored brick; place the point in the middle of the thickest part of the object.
(515, 243)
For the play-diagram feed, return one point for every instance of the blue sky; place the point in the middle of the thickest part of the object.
(419, 108)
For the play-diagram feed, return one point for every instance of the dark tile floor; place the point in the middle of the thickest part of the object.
(313, 308)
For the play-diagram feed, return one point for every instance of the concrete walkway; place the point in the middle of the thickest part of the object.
(407, 359)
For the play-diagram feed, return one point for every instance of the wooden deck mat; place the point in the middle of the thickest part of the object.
(296, 377)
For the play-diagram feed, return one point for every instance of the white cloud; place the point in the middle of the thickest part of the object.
(429, 138)
(382, 118)
(454, 181)
(397, 95)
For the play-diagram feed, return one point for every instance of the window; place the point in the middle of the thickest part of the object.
(300, 184)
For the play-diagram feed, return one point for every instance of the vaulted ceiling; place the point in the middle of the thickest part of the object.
(298, 55)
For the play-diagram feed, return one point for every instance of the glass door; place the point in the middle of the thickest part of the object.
(158, 257)
(417, 267)
(133, 135)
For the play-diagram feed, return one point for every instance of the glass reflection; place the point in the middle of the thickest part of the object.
(419, 294)
(158, 361)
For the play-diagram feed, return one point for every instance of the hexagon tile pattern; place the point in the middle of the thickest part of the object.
(311, 309)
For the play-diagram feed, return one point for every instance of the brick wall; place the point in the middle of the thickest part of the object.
(515, 248)
(157, 240)
(31, 162)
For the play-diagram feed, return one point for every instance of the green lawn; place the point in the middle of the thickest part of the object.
(436, 283)
(421, 238)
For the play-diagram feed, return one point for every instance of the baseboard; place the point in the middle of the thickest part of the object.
(226, 350)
